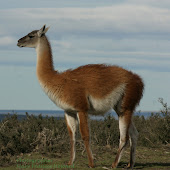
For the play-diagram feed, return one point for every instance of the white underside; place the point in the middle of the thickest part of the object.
(97, 106)
(101, 106)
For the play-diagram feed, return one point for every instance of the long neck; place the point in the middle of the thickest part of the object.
(44, 59)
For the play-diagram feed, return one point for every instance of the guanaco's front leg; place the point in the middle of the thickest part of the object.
(71, 121)
(84, 130)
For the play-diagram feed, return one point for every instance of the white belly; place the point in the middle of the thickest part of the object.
(103, 105)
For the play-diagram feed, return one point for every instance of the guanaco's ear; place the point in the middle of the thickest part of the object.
(42, 31)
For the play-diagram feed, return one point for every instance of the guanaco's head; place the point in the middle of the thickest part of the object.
(31, 39)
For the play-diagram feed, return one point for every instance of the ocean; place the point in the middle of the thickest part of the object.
(57, 114)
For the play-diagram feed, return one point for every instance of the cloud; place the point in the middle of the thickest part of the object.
(117, 58)
(152, 3)
(6, 41)
(118, 18)
(123, 33)
(61, 45)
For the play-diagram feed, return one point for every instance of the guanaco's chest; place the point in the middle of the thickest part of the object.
(55, 94)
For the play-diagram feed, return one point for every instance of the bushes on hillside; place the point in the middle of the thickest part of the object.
(31, 134)
(155, 129)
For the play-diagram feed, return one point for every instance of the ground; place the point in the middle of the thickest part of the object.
(146, 158)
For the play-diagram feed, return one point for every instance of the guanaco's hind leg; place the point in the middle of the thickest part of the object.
(84, 130)
(71, 121)
(133, 133)
(124, 125)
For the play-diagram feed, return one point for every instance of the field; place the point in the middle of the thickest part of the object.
(146, 158)
(43, 143)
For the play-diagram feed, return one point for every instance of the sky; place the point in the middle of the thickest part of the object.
(133, 34)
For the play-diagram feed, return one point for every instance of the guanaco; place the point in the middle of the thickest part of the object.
(90, 89)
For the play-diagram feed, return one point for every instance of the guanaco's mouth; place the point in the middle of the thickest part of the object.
(19, 45)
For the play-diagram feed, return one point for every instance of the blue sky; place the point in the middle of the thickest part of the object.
(133, 34)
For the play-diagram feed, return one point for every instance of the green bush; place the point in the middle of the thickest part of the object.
(31, 134)
(154, 130)
(105, 132)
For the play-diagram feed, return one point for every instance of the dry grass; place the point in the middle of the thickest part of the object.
(146, 158)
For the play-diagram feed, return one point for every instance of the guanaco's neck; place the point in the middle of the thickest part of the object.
(44, 59)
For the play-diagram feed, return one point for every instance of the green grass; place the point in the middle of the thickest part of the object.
(146, 158)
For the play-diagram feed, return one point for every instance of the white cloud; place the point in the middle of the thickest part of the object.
(152, 3)
(6, 40)
(61, 45)
(123, 59)
(120, 18)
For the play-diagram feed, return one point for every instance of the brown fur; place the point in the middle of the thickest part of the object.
(84, 130)
(96, 80)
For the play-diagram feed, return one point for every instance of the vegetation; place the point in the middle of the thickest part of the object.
(49, 137)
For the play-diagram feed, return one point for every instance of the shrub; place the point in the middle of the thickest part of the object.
(31, 134)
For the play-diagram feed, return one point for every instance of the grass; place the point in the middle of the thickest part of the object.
(146, 158)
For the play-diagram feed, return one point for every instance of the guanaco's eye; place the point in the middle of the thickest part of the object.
(30, 36)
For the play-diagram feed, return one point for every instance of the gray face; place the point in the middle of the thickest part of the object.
(29, 40)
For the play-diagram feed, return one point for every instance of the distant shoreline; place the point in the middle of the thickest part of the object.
(22, 113)
(34, 112)
(58, 113)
